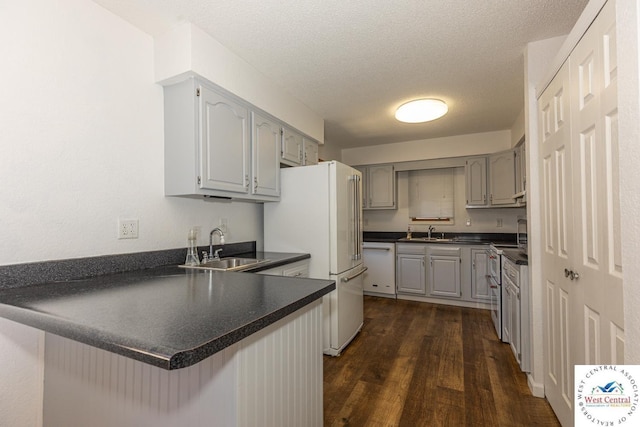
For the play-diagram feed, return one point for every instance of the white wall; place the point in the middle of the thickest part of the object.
(327, 151)
(482, 220)
(517, 130)
(436, 148)
(187, 49)
(81, 140)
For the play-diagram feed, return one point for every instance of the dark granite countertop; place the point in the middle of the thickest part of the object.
(455, 238)
(167, 316)
(517, 256)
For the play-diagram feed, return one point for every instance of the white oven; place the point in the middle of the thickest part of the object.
(494, 268)
(515, 322)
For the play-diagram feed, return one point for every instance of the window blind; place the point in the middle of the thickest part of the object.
(431, 193)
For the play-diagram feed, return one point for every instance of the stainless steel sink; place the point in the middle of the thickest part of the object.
(228, 264)
(426, 239)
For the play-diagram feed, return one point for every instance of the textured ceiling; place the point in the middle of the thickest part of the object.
(354, 61)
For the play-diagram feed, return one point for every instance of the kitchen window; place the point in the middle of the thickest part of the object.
(431, 195)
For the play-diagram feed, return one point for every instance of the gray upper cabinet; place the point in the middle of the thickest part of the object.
(208, 145)
(224, 134)
(476, 178)
(378, 186)
(502, 180)
(265, 149)
(521, 169)
(292, 146)
(310, 152)
(493, 181)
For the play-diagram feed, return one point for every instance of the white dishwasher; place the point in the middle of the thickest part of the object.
(380, 278)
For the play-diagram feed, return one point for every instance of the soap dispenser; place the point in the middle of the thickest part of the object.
(192, 248)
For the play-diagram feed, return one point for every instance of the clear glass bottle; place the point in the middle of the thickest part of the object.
(192, 248)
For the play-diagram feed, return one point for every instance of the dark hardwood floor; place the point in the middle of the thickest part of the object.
(420, 364)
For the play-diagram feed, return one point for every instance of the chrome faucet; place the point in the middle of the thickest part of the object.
(431, 228)
(215, 255)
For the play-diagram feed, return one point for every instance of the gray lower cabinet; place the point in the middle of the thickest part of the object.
(480, 289)
(444, 271)
(411, 274)
(411, 269)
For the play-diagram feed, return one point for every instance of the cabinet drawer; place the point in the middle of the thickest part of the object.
(410, 248)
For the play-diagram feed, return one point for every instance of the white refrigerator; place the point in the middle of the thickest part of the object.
(320, 213)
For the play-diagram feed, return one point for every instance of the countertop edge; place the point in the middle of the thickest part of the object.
(187, 358)
(163, 356)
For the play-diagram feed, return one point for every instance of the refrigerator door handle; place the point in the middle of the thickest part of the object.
(357, 231)
(346, 279)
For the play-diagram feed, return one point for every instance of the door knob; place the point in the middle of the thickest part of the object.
(572, 275)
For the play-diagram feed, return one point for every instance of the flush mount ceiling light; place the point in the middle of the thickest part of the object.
(421, 110)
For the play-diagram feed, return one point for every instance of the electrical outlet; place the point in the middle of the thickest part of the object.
(468, 222)
(499, 222)
(127, 228)
(223, 225)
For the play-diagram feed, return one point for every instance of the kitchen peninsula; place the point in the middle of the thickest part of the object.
(169, 346)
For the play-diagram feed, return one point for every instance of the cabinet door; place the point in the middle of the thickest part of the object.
(381, 187)
(224, 143)
(291, 153)
(517, 154)
(502, 180)
(411, 278)
(310, 152)
(444, 275)
(514, 323)
(479, 276)
(365, 185)
(523, 167)
(298, 269)
(265, 146)
(507, 313)
(476, 180)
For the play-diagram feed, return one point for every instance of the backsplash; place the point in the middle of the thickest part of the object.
(18, 275)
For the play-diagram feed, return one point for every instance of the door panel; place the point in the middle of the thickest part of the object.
(583, 312)
(224, 129)
(595, 142)
(346, 217)
(557, 250)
